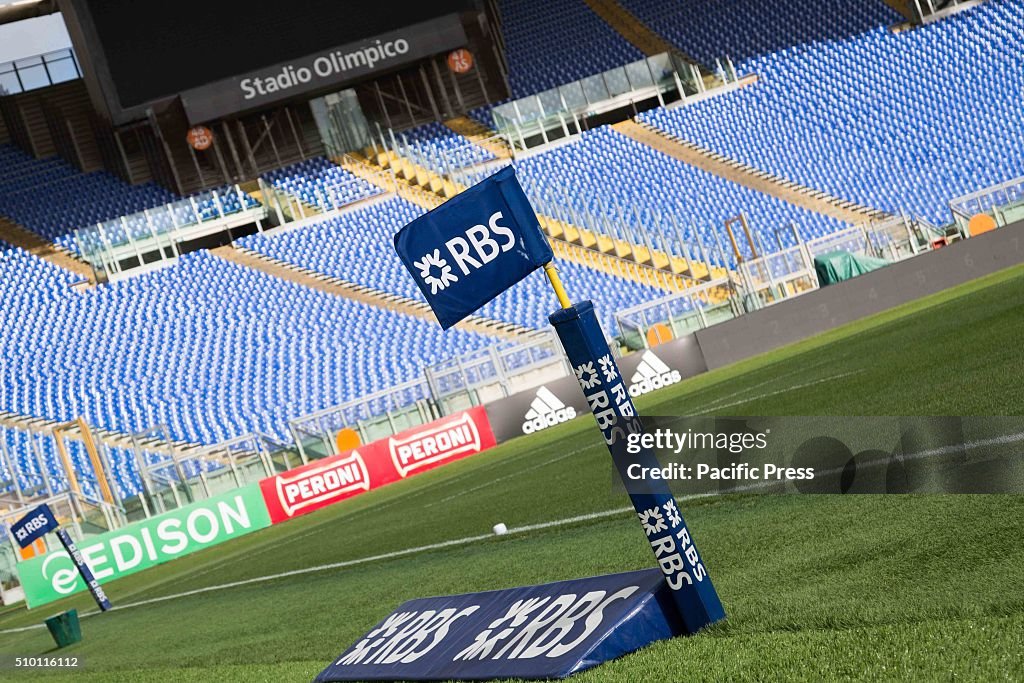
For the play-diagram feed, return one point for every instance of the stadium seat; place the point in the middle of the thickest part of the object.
(209, 348)
(553, 42)
(630, 190)
(357, 247)
(894, 121)
(320, 183)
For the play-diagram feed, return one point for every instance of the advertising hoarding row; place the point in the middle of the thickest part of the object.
(145, 544)
(330, 480)
(560, 400)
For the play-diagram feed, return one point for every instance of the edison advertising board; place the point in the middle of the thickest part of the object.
(146, 544)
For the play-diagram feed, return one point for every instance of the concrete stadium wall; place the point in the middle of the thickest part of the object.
(827, 308)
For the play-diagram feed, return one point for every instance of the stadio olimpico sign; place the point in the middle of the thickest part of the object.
(335, 67)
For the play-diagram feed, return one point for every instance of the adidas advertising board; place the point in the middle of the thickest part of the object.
(651, 374)
(662, 366)
(536, 409)
(534, 632)
(552, 403)
(546, 411)
(320, 70)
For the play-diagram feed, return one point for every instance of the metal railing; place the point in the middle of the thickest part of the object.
(330, 198)
(375, 416)
(934, 10)
(561, 112)
(495, 372)
(683, 313)
(152, 235)
(245, 459)
(39, 71)
(783, 274)
(1004, 203)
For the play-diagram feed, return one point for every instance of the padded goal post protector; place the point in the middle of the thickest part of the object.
(533, 632)
(661, 520)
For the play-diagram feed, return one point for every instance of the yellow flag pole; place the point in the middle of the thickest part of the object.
(556, 284)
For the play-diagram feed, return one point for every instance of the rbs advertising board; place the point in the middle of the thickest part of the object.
(466, 251)
(547, 631)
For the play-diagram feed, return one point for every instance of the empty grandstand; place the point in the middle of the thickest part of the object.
(207, 277)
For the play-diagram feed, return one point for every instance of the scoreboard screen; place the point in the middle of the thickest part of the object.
(150, 49)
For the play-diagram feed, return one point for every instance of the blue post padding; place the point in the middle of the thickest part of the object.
(532, 632)
(656, 507)
(98, 594)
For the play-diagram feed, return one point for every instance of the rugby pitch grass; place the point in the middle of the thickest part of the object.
(816, 587)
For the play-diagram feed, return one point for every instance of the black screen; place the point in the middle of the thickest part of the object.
(157, 49)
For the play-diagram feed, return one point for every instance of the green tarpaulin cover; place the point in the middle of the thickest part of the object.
(836, 266)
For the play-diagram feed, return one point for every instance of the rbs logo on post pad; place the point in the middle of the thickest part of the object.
(476, 245)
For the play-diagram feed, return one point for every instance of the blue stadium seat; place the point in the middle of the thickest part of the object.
(605, 175)
(892, 121)
(320, 183)
(357, 247)
(209, 348)
(553, 42)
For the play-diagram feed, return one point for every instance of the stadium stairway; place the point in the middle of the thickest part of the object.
(748, 176)
(611, 255)
(410, 173)
(367, 295)
(904, 8)
(480, 135)
(639, 34)
(18, 236)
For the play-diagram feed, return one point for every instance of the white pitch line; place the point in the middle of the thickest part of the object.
(758, 397)
(519, 473)
(352, 563)
(770, 380)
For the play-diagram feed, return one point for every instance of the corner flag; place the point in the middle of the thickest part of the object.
(478, 244)
(473, 247)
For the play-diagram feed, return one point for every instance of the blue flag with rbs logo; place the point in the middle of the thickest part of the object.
(33, 525)
(473, 247)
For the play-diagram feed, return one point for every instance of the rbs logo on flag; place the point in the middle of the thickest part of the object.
(33, 525)
(473, 247)
(437, 273)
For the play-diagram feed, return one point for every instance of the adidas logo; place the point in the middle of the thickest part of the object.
(546, 410)
(651, 374)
